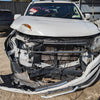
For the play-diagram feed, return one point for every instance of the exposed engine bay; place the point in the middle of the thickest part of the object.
(50, 64)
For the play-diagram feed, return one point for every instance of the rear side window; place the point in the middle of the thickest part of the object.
(5, 13)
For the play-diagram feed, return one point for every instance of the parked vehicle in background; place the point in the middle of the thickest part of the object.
(6, 19)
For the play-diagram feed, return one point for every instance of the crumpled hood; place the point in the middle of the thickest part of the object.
(55, 27)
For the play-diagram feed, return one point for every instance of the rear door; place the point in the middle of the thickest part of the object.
(6, 17)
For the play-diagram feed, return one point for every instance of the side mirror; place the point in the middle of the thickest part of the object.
(16, 16)
(87, 16)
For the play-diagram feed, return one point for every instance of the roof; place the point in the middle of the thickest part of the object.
(52, 1)
(5, 10)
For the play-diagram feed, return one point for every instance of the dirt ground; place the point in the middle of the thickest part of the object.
(90, 93)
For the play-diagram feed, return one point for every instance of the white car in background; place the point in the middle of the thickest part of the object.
(53, 48)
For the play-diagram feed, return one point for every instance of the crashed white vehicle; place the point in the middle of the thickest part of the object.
(53, 49)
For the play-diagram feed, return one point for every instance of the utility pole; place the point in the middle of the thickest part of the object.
(80, 2)
(93, 11)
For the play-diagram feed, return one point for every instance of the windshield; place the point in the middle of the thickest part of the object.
(58, 10)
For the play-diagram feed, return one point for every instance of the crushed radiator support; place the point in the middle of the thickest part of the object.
(50, 66)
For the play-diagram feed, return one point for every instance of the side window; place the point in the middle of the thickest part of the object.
(76, 13)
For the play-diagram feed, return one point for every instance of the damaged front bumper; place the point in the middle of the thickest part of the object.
(50, 65)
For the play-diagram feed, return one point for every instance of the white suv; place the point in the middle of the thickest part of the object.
(54, 48)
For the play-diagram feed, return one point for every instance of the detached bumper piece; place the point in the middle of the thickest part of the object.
(51, 66)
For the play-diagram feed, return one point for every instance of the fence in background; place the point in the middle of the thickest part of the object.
(92, 7)
(15, 7)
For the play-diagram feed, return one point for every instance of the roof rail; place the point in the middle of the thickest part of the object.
(53, 0)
